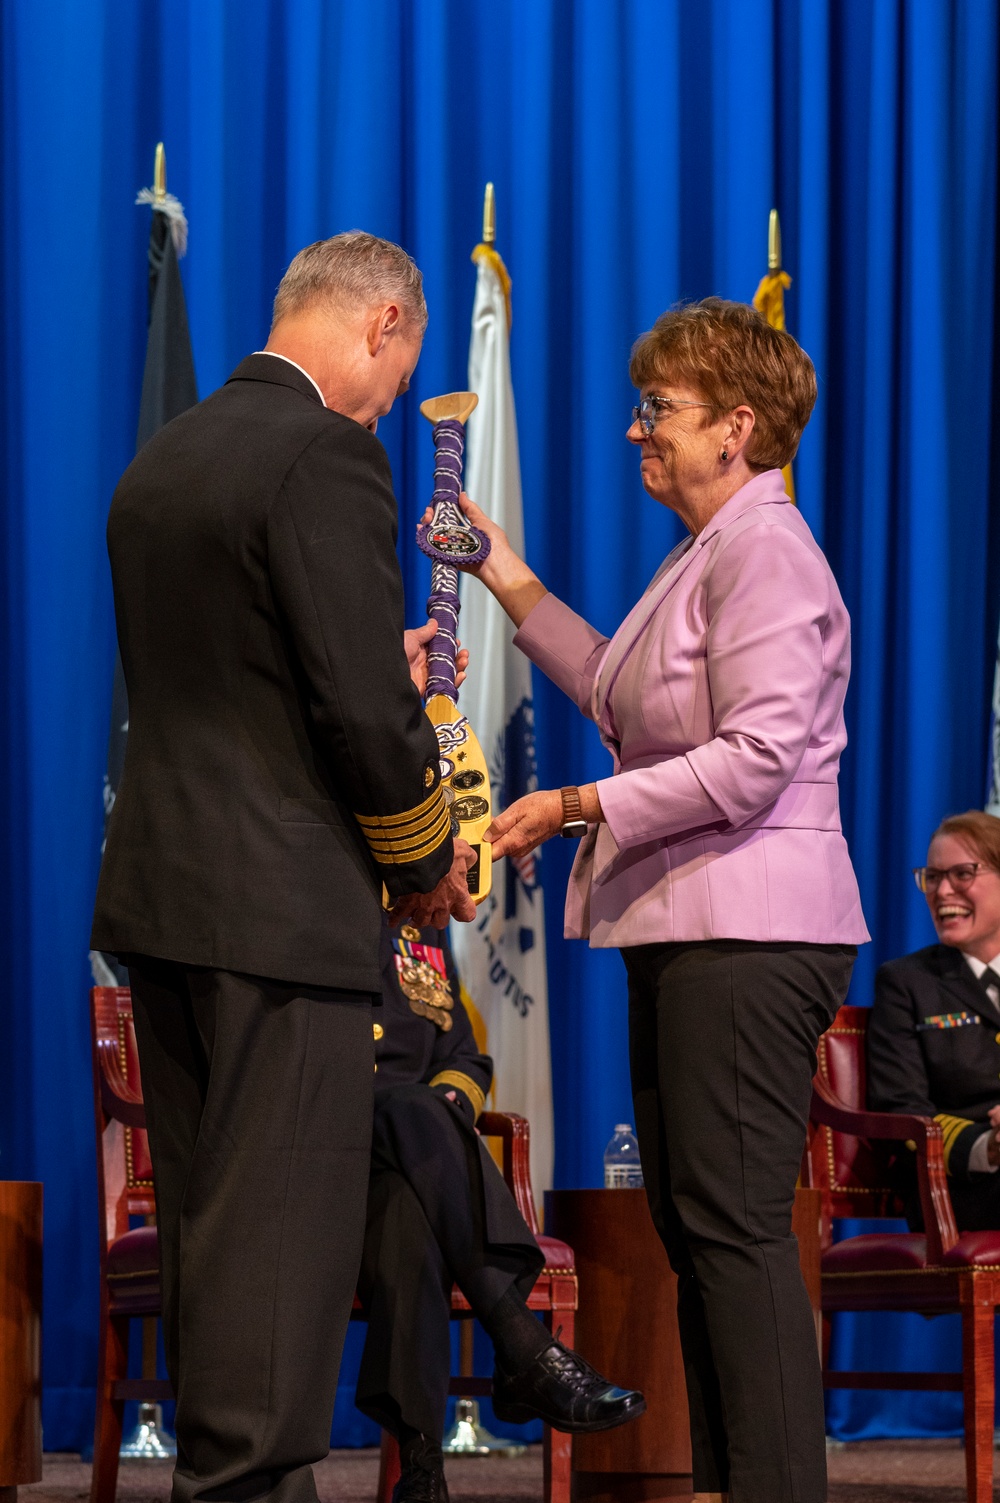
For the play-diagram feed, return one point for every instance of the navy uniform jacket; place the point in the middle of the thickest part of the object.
(280, 767)
(934, 1047)
(411, 1047)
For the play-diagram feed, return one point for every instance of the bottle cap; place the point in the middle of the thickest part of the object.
(623, 1127)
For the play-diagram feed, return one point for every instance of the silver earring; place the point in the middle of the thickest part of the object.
(725, 455)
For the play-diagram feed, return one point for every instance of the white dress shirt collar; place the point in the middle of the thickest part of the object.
(979, 966)
(288, 361)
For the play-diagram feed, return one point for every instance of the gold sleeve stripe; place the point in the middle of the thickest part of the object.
(951, 1130)
(399, 856)
(398, 852)
(396, 839)
(373, 822)
(414, 836)
(463, 1083)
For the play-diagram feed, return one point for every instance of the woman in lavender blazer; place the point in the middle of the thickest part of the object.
(713, 858)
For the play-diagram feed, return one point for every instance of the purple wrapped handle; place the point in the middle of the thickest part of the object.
(447, 537)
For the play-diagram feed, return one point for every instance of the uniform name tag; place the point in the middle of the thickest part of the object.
(949, 1020)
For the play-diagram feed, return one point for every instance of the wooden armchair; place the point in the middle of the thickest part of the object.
(130, 1276)
(935, 1272)
(130, 1273)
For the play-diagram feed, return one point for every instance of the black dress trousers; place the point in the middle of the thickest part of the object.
(723, 1041)
(258, 1106)
(439, 1213)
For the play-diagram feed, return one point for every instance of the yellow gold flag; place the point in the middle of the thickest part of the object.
(769, 299)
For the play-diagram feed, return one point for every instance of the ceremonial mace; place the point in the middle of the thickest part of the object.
(447, 537)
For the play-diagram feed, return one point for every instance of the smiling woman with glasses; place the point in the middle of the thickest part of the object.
(713, 858)
(934, 1038)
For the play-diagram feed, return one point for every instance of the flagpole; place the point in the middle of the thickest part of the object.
(468, 1436)
(168, 351)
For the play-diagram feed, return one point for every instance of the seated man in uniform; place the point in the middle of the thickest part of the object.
(934, 1036)
(440, 1213)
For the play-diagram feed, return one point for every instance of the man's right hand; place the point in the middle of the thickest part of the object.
(449, 899)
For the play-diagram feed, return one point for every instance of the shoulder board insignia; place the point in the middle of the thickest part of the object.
(949, 1020)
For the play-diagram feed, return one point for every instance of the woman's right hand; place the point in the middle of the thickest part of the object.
(502, 560)
(504, 574)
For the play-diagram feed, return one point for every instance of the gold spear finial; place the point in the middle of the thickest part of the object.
(773, 242)
(489, 216)
(160, 174)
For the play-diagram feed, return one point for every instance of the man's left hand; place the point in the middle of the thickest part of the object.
(416, 643)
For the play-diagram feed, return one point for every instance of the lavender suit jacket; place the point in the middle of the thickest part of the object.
(721, 700)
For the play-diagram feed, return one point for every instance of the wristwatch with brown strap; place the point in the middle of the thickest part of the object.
(574, 825)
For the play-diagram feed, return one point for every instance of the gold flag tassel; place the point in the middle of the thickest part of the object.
(769, 299)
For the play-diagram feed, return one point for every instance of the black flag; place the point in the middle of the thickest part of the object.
(168, 389)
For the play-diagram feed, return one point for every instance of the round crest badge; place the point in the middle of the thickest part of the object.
(470, 807)
(454, 542)
(465, 781)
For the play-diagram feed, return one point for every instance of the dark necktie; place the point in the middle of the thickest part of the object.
(990, 983)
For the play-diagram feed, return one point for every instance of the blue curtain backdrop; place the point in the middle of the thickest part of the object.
(636, 151)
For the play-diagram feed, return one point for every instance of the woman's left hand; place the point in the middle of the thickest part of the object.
(526, 823)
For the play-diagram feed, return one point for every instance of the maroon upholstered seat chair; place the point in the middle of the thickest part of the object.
(130, 1278)
(935, 1272)
(130, 1275)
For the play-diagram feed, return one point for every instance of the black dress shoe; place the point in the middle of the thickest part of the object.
(422, 1477)
(564, 1391)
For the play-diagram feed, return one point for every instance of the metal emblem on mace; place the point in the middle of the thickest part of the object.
(447, 538)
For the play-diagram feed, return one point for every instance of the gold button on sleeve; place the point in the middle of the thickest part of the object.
(377, 1030)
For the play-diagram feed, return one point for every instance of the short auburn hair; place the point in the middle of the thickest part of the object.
(978, 829)
(731, 355)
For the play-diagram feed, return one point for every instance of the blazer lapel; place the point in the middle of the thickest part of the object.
(767, 487)
(635, 622)
(958, 980)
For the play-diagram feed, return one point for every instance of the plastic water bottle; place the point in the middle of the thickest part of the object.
(622, 1170)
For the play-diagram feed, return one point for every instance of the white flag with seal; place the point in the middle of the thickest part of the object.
(501, 956)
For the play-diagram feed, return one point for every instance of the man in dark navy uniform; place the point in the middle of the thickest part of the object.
(934, 1037)
(280, 771)
(440, 1213)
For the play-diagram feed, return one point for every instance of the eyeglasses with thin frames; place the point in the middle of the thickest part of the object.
(645, 413)
(961, 877)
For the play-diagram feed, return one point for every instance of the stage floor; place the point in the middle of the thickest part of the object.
(915, 1471)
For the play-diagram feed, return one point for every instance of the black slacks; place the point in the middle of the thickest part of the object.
(723, 1049)
(975, 1201)
(434, 1201)
(258, 1106)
